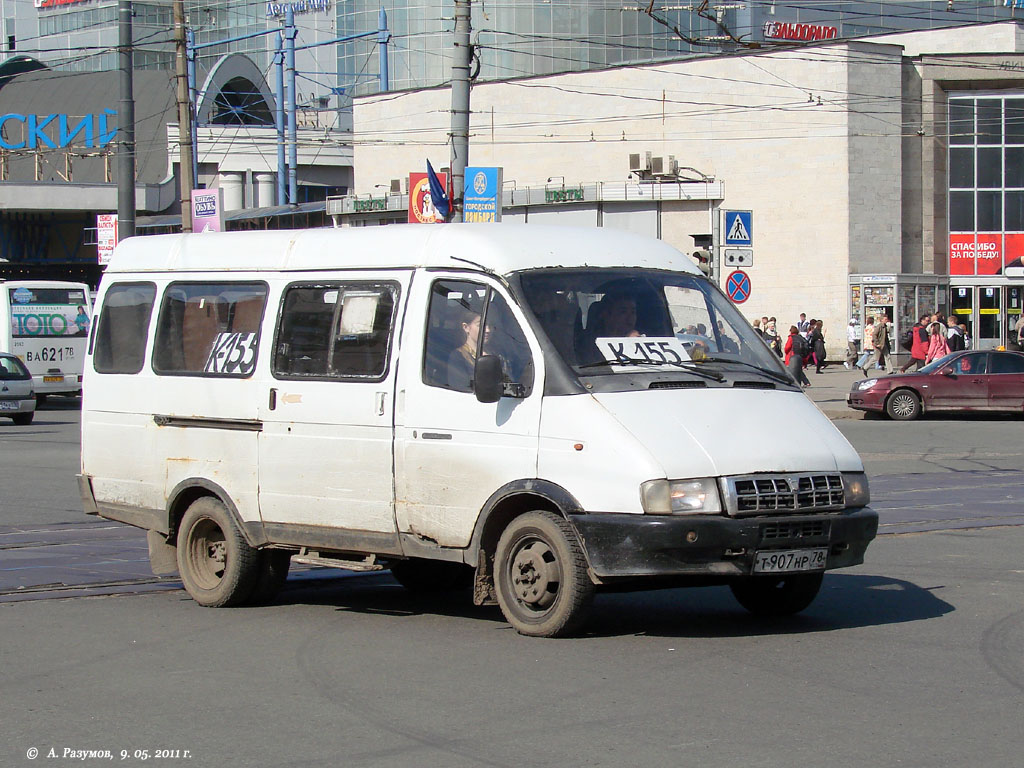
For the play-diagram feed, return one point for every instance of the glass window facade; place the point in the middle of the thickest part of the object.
(986, 183)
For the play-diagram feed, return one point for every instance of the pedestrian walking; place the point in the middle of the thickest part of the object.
(868, 345)
(796, 349)
(919, 340)
(880, 338)
(816, 341)
(954, 336)
(852, 343)
(771, 335)
(938, 346)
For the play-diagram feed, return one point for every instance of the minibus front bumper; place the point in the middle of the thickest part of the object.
(624, 545)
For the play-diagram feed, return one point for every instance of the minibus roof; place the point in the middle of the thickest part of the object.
(497, 248)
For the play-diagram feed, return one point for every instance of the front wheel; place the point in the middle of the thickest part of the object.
(541, 576)
(777, 595)
(216, 564)
(903, 405)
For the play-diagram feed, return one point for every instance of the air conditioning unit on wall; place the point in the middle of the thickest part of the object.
(640, 163)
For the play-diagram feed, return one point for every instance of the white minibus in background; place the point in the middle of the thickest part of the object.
(46, 324)
(537, 412)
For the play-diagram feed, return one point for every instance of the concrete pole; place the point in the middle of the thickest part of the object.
(289, 105)
(193, 100)
(460, 106)
(185, 178)
(125, 125)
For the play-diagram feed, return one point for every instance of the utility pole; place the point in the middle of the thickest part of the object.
(460, 106)
(290, 101)
(125, 124)
(185, 180)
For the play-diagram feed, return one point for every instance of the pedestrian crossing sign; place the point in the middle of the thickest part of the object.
(739, 228)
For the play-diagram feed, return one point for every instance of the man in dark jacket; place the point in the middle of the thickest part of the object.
(955, 337)
(919, 345)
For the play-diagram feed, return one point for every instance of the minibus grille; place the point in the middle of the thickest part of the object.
(772, 494)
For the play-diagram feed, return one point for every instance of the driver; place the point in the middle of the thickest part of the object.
(462, 360)
(618, 316)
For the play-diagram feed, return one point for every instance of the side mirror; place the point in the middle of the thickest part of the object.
(947, 371)
(488, 379)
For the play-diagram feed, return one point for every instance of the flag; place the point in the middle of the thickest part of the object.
(442, 202)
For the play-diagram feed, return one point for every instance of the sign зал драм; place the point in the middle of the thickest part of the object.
(56, 131)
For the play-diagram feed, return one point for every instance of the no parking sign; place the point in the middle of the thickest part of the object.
(737, 286)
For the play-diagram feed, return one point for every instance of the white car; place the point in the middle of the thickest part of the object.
(17, 398)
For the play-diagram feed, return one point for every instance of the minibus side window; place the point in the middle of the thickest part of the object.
(123, 328)
(209, 329)
(454, 340)
(335, 331)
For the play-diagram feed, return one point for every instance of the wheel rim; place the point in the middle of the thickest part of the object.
(903, 405)
(534, 575)
(207, 553)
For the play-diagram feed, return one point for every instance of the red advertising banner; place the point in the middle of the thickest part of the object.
(421, 207)
(1013, 251)
(980, 253)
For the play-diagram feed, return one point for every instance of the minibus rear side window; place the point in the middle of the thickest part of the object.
(124, 328)
(335, 331)
(209, 329)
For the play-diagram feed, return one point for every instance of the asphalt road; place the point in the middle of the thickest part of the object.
(915, 658)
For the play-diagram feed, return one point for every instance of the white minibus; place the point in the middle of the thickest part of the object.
(45, 324)
(537, 412)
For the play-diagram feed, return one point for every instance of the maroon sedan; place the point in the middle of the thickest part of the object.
(962, 381)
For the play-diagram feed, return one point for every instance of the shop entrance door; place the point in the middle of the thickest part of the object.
(989, 335)
(961, 304)
(1014, 302)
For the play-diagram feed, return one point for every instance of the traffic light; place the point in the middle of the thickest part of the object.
(703, 258)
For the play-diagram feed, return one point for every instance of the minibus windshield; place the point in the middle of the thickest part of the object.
(622, 321)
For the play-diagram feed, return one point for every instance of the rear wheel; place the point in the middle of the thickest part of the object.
(541, 577)
(216, 564)
(419, 575)
(903, 405)
(23, 419)
(777, 595)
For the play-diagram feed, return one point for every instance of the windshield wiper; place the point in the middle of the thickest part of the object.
(781, 378)
(686, 365)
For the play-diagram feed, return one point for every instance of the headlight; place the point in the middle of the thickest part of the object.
(855, 487)
(680, 497)
(866, 384)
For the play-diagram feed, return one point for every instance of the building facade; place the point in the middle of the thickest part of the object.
(881, 174)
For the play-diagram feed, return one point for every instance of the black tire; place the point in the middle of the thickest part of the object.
(777, 595)
(272, 573)
(216, 564)
(40, 399)
(903, 405)
(418, 575)
(541, 576)
(23, 419)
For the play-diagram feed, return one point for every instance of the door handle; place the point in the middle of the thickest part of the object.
(381, 396)
(273, 398)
